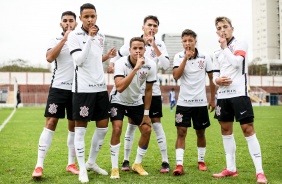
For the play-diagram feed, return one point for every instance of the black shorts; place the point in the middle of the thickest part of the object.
(118, 111)
(238, 107)
(199, 116)
(59, 101)
(156, 107)
(91, 106)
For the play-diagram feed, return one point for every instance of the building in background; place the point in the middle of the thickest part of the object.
(267, 35)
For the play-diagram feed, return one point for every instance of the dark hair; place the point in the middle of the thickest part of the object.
(222, 19)
(189, 32)
(87, 6)
(68, 13)
(152, 17)
(136, 39)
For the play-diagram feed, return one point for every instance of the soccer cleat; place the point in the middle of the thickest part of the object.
(72, 168)
(225, 173)
(37, 173)
(139, 169)
(125, 166)
(165, 167)
(83, 177)
(115, 173)
(261, 179)
(178, 170)
(96, 168)
(202, 166)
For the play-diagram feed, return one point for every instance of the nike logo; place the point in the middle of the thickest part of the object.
(242, 112)
(205, 123)
(154, 113)
(84, 42)
(109, 112)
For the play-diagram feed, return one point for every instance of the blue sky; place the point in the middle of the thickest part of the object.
(28, 25)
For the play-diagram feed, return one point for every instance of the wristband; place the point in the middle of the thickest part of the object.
(146, 112)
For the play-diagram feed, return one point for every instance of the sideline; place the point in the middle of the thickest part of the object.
(7, 120)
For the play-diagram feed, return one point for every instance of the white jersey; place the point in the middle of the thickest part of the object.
(87, 54)
(63, 71)
(131, 95)
(193, 80)
(226, 65)
(162, 61)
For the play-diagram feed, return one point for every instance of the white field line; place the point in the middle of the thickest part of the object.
(7, 120)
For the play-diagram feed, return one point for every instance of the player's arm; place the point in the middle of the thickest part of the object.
(123, 51)
(147, 103)
(162, 56)
(211, 104)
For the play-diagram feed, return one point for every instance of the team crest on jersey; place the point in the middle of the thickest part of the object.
(153, 54)
(52, 108)
(217, 110)
(142, 75)
(201, 64)
(84, 111)
(101, 42)
(113, 112)
(178, 118)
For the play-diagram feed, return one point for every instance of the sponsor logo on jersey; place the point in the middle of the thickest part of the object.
(178, 118)
(194, 100)
(84, 111)
(52, 108)
(231, 91)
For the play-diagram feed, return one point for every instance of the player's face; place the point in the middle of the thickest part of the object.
(68, 21)
(137, 48)
(88, 18)
(189, 42)
(224, 29)
(150, 27)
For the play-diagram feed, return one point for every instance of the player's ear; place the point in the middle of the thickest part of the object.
(61, 25)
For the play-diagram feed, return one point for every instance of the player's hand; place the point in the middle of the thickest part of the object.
(93, 30)
(189, 53)
(68, 30)
(112, 53)
(140, 61)
(222, 40)
(223, 81)
(150, 39)
(146, 121)
(111, 68)
(211, 106)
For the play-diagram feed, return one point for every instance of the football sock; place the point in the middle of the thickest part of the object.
(230, 149)
(255, 152)
(71, 150)
(114, 155)
(201, 154)
(161, 139)
(80, 147)
(140, 154)
(179, 156)
(128, 140)
(45, 141)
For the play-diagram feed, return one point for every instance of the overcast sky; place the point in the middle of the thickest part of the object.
(28, 25)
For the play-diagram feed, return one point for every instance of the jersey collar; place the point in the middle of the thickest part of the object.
(232, 39)
(132, 65)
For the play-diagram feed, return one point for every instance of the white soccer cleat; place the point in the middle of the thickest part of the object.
(96, 168)
(83, 177)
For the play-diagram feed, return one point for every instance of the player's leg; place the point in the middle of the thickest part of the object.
(179, 150)
(71, 167)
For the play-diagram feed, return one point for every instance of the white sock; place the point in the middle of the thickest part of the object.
(114, 155)
(128, 140)
(201, 154)
(96, 144)
(161, 139)
(80, 147)
(71, 152)
(230, 149)
(140, 154)
(179, 156)
(45, 141)
(255, 152)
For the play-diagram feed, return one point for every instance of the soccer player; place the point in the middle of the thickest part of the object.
(191, 66)
(155, 50)
(90, 96)
(130, 74)
(60, 95)
(230, 75)
(172, 99)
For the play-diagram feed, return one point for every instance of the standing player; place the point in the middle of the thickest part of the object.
(191, 66)
(172, 99)
(130, 74)
(230, 74)
(155, 50)
(60, 95)
(90, 96)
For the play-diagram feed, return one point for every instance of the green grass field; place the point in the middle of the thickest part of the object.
(19, 141)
